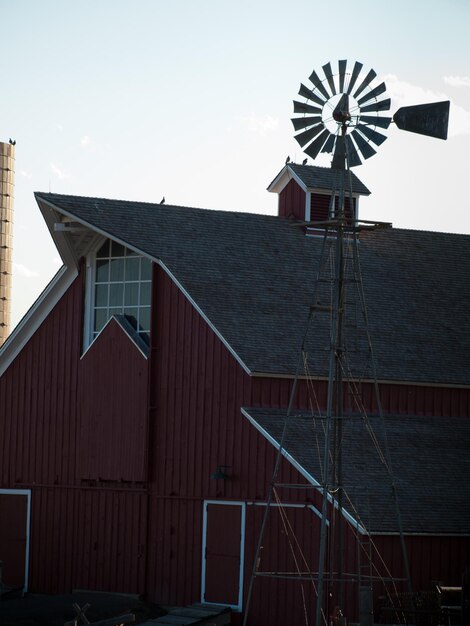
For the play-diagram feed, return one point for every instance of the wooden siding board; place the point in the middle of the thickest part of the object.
(292, 201)
(113, 409)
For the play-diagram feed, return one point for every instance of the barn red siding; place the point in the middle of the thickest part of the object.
(292, 201)
(38, 393)
(113, 409)
(92, 525)
(196, 391)
(80, 536)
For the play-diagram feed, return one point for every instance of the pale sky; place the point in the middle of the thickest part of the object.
(192, 100)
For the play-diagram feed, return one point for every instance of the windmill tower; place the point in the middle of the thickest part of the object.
(7, 179)
(339, 115)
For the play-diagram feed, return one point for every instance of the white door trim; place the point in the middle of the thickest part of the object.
(27, 493)
(235, 607)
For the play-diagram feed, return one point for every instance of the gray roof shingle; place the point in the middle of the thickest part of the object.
(433, 489)
(324, 178)
(253, 277)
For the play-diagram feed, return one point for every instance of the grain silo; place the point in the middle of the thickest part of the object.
(7, 178)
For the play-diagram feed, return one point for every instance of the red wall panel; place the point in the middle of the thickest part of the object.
(113, 409)
(292, 201)
(96, 537)
(197, 389)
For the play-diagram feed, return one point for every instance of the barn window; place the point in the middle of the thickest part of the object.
(120, 283)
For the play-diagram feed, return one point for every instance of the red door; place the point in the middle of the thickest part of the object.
(13, 537)
(223, 557)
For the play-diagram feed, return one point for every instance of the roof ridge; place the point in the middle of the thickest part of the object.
(49, 196)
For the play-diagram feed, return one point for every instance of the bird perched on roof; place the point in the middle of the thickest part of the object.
(162, 201)
(13, 142)
(304, 162)
(288, 160)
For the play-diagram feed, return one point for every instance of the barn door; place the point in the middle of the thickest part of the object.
(14, 536)
(223, 548)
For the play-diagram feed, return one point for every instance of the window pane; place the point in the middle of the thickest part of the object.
(117, 249)
(131, 314)
(101, 317)
(101, 295)
(116, 293)
(146, 270)
(102, 271)
(145, 293)
(104, 250)
(122, 285)
(131, 297)
(117, 270)
(144, 318)
(132, 269)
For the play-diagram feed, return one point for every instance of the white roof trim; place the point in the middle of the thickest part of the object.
(287, 174)
(124, 330)
(352, 520)
(64, 248)
(204, 316)
(281, 180)
(36, 315)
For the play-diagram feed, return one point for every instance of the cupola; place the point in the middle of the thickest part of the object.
(304, 192)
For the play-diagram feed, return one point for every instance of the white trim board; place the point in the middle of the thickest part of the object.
(242, 504)
(27, 493)
(352, 520)
(36, 315)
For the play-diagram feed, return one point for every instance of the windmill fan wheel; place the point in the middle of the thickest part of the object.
(340, 115)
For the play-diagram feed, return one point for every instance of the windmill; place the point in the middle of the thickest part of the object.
(341, 114)
(344, 114)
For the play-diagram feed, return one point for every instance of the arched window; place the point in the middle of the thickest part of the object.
(120, 283)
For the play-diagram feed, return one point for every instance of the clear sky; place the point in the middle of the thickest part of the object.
(192, 100)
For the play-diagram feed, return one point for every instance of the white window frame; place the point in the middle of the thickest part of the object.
(90, 273)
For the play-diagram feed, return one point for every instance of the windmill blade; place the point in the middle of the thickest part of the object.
(383, 105)
(375, 120)
(308, 93)
(364, 146)
(355, 73)
(425, 119)
(329, 77)
(342, 74)
(307, 135)
(352, 157)
(303, 122)
(316, 145)
(372, 94)
(302, 107)
(365, 83)
(315, 80)
(330, 144)
(373, 135)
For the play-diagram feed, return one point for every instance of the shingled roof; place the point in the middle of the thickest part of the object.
(253, 277)
(322, 178)
(427, 502)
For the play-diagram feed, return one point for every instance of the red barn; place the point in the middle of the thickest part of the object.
(143, 395)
